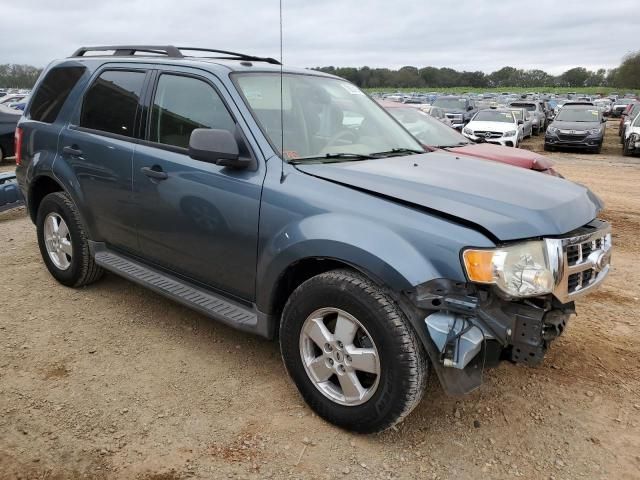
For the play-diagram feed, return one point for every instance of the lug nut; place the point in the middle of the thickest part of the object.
(341, 368)
(327, 347)
(340, 345)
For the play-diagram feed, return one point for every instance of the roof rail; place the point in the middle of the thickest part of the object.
(170, 51)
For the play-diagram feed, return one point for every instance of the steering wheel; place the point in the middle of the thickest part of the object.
(341, 135)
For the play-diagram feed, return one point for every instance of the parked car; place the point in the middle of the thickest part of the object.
(620, 105)
(522, 115)
(372, 261)
(437, 113)
(538, 115)
(631, 139)
(434, 135)
(604, 104)
(12, 98)
(8, 121)
(627, 117)
(494, 126)
(576, 126)
(459, 110)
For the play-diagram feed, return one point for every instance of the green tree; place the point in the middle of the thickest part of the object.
(628, 73)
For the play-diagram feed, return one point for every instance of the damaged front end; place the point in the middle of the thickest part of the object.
(469, 326)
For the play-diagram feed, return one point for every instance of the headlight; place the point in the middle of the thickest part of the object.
(594, 131)
(520, 270)
(509, 134)
(468, 131)
(552, 129)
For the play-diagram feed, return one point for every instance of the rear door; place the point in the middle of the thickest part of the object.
(195, 218)
(98, 145)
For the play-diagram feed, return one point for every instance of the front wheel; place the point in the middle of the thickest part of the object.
(351, 352)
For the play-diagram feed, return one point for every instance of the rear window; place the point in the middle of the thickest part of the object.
(53, 92)
(111, 103)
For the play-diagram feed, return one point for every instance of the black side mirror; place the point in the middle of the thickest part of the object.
(469, 108)
(520, 122)
(216, 146)
(604, 120)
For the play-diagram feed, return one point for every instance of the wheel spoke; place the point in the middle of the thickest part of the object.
(318, 332)
(364, 360)
(63, 230)
(319, 369)
(66, 246)
(345, 330)
(53, 225)
(351, 387)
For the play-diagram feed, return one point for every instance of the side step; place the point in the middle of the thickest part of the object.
(206, 302)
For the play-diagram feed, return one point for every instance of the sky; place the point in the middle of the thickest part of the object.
(553, 35)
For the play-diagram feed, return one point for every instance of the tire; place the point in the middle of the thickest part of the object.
(598, 149)
(536, 131)
(548, 148)
(626, 151)
(1, 155)
(77, 268)
(402, 363)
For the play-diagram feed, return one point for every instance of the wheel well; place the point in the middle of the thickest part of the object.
(298, 273)
(42, 187)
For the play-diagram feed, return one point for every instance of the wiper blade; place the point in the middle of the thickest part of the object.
(396, 152)
(329, 157)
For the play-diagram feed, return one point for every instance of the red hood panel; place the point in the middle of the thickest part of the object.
(513, 156)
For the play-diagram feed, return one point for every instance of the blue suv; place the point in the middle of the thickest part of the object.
(287, 203)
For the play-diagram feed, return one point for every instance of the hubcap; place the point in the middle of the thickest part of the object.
(57, 240)
(339, 356)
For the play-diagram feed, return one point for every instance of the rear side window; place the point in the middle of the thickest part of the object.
(53, 92)
(111, 103)
(182, 104)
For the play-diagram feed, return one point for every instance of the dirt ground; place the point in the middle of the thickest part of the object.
(115, 382)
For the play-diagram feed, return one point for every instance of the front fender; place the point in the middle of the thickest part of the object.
(382, 254)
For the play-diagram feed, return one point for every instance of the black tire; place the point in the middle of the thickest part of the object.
(536, 131)
(598, 149)
(626, 151)
(548, 148)
(83, 269)
(1, 155)
(403, 361)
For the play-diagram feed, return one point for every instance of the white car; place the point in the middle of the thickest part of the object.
(631, 141)
(498, 126)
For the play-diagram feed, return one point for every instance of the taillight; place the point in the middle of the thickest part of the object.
(18, 145)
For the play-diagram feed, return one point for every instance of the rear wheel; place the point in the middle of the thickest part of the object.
(626, 151)
(63, 242)
(351, 352)
(548, 148)
(1, 155)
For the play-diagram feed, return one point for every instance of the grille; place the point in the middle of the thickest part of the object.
(479, 133)
(565, 137)
(583, 259)
(454, 116)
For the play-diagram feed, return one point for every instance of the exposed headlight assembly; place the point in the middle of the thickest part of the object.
(468, 131)
(519, 270)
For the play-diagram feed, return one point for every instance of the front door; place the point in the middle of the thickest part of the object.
(197, 219)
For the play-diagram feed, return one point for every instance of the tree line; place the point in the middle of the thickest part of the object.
(627, 75)
(18, 76)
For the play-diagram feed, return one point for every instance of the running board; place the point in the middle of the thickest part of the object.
(210, 304)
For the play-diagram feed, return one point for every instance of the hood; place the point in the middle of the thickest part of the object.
(579, 126)
(507, 203)
(492, 126)
(513, 156)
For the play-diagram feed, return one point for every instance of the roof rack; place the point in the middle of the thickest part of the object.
(170, 51)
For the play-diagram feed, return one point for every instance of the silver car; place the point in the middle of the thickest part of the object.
(522, 115)
(438, 113)
(538, 115)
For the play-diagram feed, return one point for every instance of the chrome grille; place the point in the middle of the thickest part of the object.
(480, 133)
(582, 261)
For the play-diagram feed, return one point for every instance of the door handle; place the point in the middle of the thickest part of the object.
(154, 172)
(74, 152)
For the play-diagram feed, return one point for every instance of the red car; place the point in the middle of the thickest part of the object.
(435, 135)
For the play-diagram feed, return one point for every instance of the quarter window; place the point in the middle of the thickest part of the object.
(111, 103)
(53, 92)
(182, 104)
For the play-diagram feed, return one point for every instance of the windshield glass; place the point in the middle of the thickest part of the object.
(493, 116)
(519, 114)
(568, 114)
(426, 128)
(624, 101)
(454, 103)
(320, 116)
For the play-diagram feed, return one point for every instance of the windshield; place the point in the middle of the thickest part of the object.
(453, 103)
(519, 114)
(426, 128)
(320, 117)
(578, 115)
(624, 101)
(493, 116)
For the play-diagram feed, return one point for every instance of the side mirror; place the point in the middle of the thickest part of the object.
(520, 122)
(469, 108)
(216, 146)
(604, 120)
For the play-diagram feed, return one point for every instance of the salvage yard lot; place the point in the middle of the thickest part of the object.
(113, 381)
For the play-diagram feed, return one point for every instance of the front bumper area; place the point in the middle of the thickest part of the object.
(579, 141)
(504, 141)
(468, 328)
